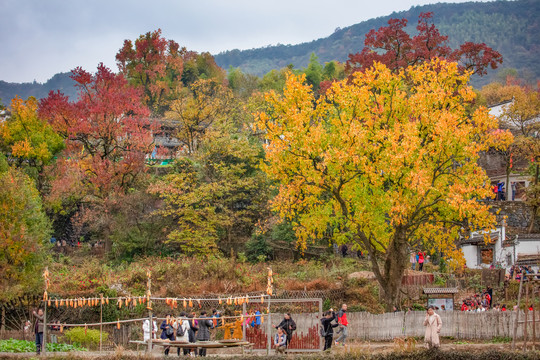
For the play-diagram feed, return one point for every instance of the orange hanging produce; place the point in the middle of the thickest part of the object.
(107, 301)
(190, 303)
(219, 300)
(118, 326)
(49, 303)
(185, 303)
(56, 303)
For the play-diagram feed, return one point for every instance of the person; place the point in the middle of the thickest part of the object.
(55, 328)
(433, 325)
(513, 186)
(328, 328)
(288, 325)
(420, 261)
(167, 332)
(343, 324)
(280, 341)
(503, 307)
(205, 324)
(344, 250)
(256, 323)
(412, 260)
(216, 318)
(147, 332)
(443, 307)
(500, 190)
(38, 330)
(193, 328)
(182, 331)
(27, 329)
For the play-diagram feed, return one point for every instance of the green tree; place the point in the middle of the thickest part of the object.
(30, 142)
(215, 196)
(314, 72)
(24, 234)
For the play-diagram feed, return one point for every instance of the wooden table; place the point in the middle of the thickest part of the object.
(196, 345)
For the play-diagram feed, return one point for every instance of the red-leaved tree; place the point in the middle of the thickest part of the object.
(395, 48)
(154, 64)
(107, 134)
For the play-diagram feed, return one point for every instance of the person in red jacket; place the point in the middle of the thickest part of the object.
(343, 323)
(421, 256)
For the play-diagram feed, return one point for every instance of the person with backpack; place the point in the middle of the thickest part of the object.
(205, 324)
(182, 331)
(167, 331)
(327, 328)
(343, 323)
(288, 325)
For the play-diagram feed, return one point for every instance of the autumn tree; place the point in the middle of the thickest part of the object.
(198, 107)
(522, 115)
(155, 64)
(394, 47)
(28, 141)
(215, 196)
(386, 161)
(24, 233)
(107, 134)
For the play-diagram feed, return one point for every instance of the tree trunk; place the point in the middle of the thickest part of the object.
(535, 203)
(394, 268)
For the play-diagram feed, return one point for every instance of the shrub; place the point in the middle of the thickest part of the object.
(86, 337)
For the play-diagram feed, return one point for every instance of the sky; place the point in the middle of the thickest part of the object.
(39, 38)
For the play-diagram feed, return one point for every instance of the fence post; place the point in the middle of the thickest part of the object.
(517, 312)
(269, 330)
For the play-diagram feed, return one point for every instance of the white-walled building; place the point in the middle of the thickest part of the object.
(500, 250)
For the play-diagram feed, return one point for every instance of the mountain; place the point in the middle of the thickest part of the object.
(510, 27)
(60, 81)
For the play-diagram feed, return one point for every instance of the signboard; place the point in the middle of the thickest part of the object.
(438, 303)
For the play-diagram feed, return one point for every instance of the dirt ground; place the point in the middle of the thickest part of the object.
(354, 347)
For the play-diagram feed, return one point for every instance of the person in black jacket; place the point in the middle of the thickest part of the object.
(167, 331)
(193, 328)
(205, 324)
(328, 328)
(288, 325)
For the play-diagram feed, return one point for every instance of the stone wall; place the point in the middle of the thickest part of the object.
(519, 216)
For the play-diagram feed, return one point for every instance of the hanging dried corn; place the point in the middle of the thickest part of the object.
(199, 301)
(219, 300)
(119, 303)
(56, 303)
(247, 299)
(190, 303)
(185, 303)
(62, 328)
(107, 301)
(61, 302)
(118, 326)
(262, 299)
(49, 303)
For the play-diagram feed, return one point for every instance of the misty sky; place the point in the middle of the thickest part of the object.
(39, 38)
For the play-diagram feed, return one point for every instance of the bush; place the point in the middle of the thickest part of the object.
(23, 346)
(86, 337)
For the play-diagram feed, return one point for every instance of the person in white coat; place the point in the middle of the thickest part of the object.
(182, 331)
(433, 325)
(146, 330)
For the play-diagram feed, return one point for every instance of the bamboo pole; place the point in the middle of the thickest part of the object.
(101, 324)
(533, 319)
(150, 315)
(244, 311)
(525, 332)
(44, 349)
(517, 313)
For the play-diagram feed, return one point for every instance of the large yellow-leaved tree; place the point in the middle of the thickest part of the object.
(385, 160)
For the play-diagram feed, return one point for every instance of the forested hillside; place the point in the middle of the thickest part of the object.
(60, 81)
(510, 27)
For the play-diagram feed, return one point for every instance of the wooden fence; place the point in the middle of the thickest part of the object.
(460, 325)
